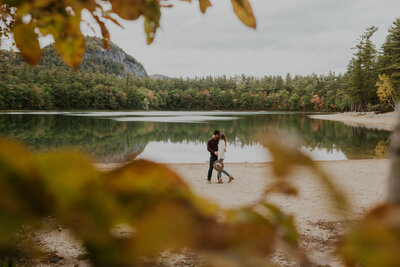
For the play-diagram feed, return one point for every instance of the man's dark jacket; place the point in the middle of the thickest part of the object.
(212, 146)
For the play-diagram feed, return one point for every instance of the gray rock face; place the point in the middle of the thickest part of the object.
(117, 55)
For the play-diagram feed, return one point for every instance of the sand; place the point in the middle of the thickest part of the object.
(363, 181)
(384, 121)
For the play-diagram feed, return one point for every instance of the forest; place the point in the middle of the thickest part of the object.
(371, 83)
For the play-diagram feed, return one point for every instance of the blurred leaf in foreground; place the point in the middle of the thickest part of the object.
(152, 200)
(375, 240)
(287, 157)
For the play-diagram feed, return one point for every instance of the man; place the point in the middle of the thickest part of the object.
(212, 147)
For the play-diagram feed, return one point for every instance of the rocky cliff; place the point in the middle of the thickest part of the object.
(115, 55)
(99, 60)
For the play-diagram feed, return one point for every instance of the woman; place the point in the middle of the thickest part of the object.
(221, 157)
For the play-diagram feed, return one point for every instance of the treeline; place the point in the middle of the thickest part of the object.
(44, 89)
(372, 82)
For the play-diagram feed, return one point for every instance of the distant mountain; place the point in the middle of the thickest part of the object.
(95, 53)
(96, 59)
(159, 77)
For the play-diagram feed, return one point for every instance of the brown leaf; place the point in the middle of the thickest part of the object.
(244, 12)
(27, 42)
(104, 32)
(204, 4)
(133, 9)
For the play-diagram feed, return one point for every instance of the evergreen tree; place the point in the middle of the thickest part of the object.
(362, 73)
(389, 60)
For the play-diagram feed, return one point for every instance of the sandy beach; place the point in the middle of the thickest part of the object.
(384, 121)
(363, 181)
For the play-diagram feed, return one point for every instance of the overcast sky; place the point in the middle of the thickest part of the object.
(296, 36)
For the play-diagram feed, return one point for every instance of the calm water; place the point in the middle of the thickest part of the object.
(173, 137)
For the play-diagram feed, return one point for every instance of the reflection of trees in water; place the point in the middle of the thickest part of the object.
(105, 141)
(112, 141)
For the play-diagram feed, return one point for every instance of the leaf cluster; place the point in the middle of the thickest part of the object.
(154, 201)
(27, 20)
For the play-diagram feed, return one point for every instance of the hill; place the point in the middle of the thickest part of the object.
(96, 60)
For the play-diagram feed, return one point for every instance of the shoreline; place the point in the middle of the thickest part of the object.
(385, 121)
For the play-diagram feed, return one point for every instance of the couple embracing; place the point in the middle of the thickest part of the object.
(217, 148)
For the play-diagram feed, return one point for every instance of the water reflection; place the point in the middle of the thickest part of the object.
(181, 136)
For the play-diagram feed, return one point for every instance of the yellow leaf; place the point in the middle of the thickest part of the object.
(27, 42)
(150, 27)
(69, 40)
(243, 10)
(204, 4)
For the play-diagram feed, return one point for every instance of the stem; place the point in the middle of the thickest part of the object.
(394, 180)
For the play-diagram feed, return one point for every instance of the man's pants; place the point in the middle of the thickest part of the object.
(213, 158)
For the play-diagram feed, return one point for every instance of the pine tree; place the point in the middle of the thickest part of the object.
(389, 60)
(362, 72)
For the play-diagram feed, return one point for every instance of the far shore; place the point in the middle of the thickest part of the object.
(385, 121)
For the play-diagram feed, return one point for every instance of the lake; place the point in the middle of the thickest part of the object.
(180, 137)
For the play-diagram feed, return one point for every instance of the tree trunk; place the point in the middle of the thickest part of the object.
(394, 182)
